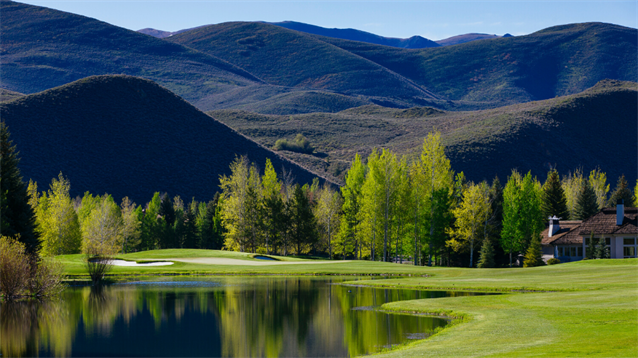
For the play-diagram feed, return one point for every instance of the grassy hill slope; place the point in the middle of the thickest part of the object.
(557, 61)
(129, 137)
(290, 58)
(358, 35)
(595, 128)
(43, 48)
(6, 95)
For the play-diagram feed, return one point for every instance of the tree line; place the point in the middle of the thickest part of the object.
(390, 208)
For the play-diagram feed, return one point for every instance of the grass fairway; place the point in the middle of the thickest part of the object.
(593, 311)
(579, 309)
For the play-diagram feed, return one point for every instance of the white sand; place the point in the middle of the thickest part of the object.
(256, 262)
(133, 263)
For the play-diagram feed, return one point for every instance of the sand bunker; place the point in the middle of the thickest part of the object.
(237, 262)
(133, 263)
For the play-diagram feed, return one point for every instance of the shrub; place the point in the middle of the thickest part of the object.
(300, 145)
(97, 266)
(553, 261)
(45, 277)
(14, 268)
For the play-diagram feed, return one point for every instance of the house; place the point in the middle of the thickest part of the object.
(569, 240)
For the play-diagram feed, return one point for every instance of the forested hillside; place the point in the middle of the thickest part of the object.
(596, 128)
(128, 137)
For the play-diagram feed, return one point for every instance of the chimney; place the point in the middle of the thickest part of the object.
(553, 226)
(620, 211)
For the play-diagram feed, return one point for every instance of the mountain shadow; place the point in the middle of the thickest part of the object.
(128, 136)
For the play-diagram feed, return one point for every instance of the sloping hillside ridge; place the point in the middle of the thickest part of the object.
(595, 128)
(44, 48)
(290, 58)
(129, 137)
(359, 35)
(557, 61)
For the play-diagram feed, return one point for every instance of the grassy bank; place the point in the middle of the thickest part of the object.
(597, 316)
(587, 308)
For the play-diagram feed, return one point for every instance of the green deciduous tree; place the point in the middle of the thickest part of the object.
(151, 228)
(17, 217)
(131, 225)
(470, 217)
(572, 185)
(56, 220)
(102, 231)
(437, 175)
(598, 181)
(349, 233)
(327, 213)
(234, 211)
(522, 217)
(554, 201)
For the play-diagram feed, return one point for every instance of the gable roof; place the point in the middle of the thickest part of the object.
(568, 234)
(604, 223)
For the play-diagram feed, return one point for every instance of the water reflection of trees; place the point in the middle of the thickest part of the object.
(265, 317)
(27, 327)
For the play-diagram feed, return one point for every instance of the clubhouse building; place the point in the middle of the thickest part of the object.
(569, 240)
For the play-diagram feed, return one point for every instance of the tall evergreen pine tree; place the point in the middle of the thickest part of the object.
(554, 201)
(534, 256)
(16, 215)
(623, 192)
(486, 259)
(586, 203)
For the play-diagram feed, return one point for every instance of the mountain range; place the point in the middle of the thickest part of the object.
(564, 96)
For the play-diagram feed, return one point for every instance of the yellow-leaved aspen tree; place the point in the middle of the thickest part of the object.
(56, 220)
(327, 213)
(437, 175)
(102, 232)
(598, 181)
(470, 215)
(572, 185)
(234, 194)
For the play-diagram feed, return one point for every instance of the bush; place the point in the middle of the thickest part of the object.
(14, 268)
(98, 266)
(553, 261)
(24, 275)
(300, 145)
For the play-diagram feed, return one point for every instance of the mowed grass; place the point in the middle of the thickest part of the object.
(593, 311)
(74, 265)
(579, 309)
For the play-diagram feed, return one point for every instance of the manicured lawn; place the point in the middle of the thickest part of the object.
(598, 317)
(587, 308)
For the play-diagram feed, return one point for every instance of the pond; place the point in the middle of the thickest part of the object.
(215, 316)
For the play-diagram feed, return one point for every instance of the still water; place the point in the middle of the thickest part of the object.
(222, 316)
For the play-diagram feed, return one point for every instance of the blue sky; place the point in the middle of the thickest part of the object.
(434, 20)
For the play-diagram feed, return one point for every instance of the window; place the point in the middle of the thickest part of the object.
(607, 241)
(629, 251)
(587, 241)
(572, 251)
(580, 251)
(629, 241)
